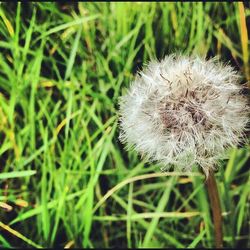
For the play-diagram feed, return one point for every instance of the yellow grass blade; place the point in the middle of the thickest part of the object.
(244, 37)
(19, 235)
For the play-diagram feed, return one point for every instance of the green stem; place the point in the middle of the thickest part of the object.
(216, 209)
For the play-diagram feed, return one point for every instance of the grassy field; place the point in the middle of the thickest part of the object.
(65, 179)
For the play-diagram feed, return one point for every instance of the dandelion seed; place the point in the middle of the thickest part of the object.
(184, 111)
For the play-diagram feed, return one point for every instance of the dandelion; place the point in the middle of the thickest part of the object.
(183, 112)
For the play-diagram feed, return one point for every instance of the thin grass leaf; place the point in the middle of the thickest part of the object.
(17, 174)
(161, 206)
(19, 235)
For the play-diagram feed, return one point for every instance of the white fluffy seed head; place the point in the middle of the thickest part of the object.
(183, 111)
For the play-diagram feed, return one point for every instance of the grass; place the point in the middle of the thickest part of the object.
(65, 178)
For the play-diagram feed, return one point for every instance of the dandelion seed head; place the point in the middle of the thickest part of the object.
(183, 111)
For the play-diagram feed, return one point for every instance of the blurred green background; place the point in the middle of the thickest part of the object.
(65, 179)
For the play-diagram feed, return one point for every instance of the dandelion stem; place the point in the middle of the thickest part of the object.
(216, 208)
